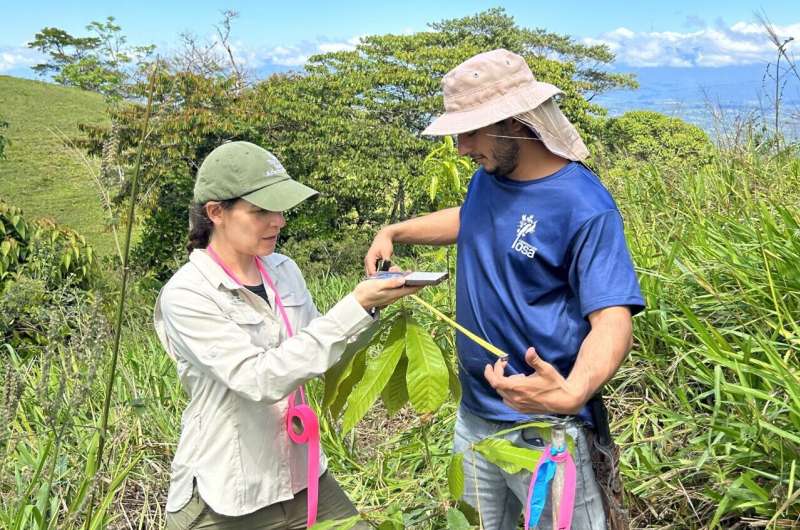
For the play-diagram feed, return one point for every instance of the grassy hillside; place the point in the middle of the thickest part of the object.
(42, 174)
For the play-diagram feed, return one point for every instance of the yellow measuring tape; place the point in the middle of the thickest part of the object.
(490, 347)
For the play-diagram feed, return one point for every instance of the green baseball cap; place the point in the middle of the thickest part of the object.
(244, 170)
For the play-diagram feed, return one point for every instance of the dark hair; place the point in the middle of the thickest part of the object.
(200, 226)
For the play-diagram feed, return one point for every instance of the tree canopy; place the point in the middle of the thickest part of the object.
(348, 125)
(102, 62)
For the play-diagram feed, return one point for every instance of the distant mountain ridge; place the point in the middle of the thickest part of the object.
(690, 93)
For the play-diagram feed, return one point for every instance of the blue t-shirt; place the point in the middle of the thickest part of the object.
(535, 258)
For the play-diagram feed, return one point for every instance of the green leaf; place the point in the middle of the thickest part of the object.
(379, 371)
(455, 476)
(511, 458)
(457, 520)
(357, 366)
(335, 376)
(433, 187)
(394, 518)
(427, 375)
(395, 393)
(452, 379)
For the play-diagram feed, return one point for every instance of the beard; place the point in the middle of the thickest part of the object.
(506, 156)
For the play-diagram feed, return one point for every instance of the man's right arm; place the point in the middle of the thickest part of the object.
(437, 228)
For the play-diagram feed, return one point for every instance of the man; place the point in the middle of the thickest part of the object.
(544, 273)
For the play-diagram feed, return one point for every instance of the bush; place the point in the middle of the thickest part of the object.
(642, 138)
(43, 267)
(341, 256)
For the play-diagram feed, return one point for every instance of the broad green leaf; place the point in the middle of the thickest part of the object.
(378, 372)
(339, 373)
(427, 375)
(511, 458)
(455, 476)
(457, 520)
(395, 393)
(354, 375)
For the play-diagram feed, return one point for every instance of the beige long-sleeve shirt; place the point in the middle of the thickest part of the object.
(238, 366)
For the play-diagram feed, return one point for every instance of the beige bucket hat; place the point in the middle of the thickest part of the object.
(496, 85)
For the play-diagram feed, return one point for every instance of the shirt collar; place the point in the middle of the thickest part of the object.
(217, 276)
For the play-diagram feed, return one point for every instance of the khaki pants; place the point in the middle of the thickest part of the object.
(288, 515)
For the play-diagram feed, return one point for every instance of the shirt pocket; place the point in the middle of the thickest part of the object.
(263, 332)
(244, 315)
(294, 303)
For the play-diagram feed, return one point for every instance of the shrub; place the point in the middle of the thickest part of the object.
(43, 267)
(641, 138)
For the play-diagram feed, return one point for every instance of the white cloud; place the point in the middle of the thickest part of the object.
(17, 57)
(330, 47)
(350, 44)
(292, 55)
(741, 43)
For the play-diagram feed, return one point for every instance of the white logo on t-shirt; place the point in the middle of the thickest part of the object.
(527, 225)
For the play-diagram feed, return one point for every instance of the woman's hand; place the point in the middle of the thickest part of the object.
(380, 293)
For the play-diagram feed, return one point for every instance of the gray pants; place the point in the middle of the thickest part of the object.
(288, 515)
(500, 496)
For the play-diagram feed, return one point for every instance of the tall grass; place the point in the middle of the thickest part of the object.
(707, 408)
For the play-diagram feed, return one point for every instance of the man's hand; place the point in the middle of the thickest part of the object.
(381, 248)
(544, 392)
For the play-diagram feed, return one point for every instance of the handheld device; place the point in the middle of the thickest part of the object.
(413, 279)
(417, 278)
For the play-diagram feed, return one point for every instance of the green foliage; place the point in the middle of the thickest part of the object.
(426, 376)
(42, 267)
(102, 63)
(641, 138)
(42, 250)
(445, 175)
(716, 351)
(341, 256)
(163, 247)
(408, 350)
(348, 126)
(457, 520)
(509, 457)
(455, 476)
(377, 375)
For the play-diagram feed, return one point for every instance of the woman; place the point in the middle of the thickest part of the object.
(245, 334)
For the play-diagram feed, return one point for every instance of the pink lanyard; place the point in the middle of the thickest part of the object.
(301, 415)
(540, 486)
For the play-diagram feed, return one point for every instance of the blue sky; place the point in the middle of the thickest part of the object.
(283, 34)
